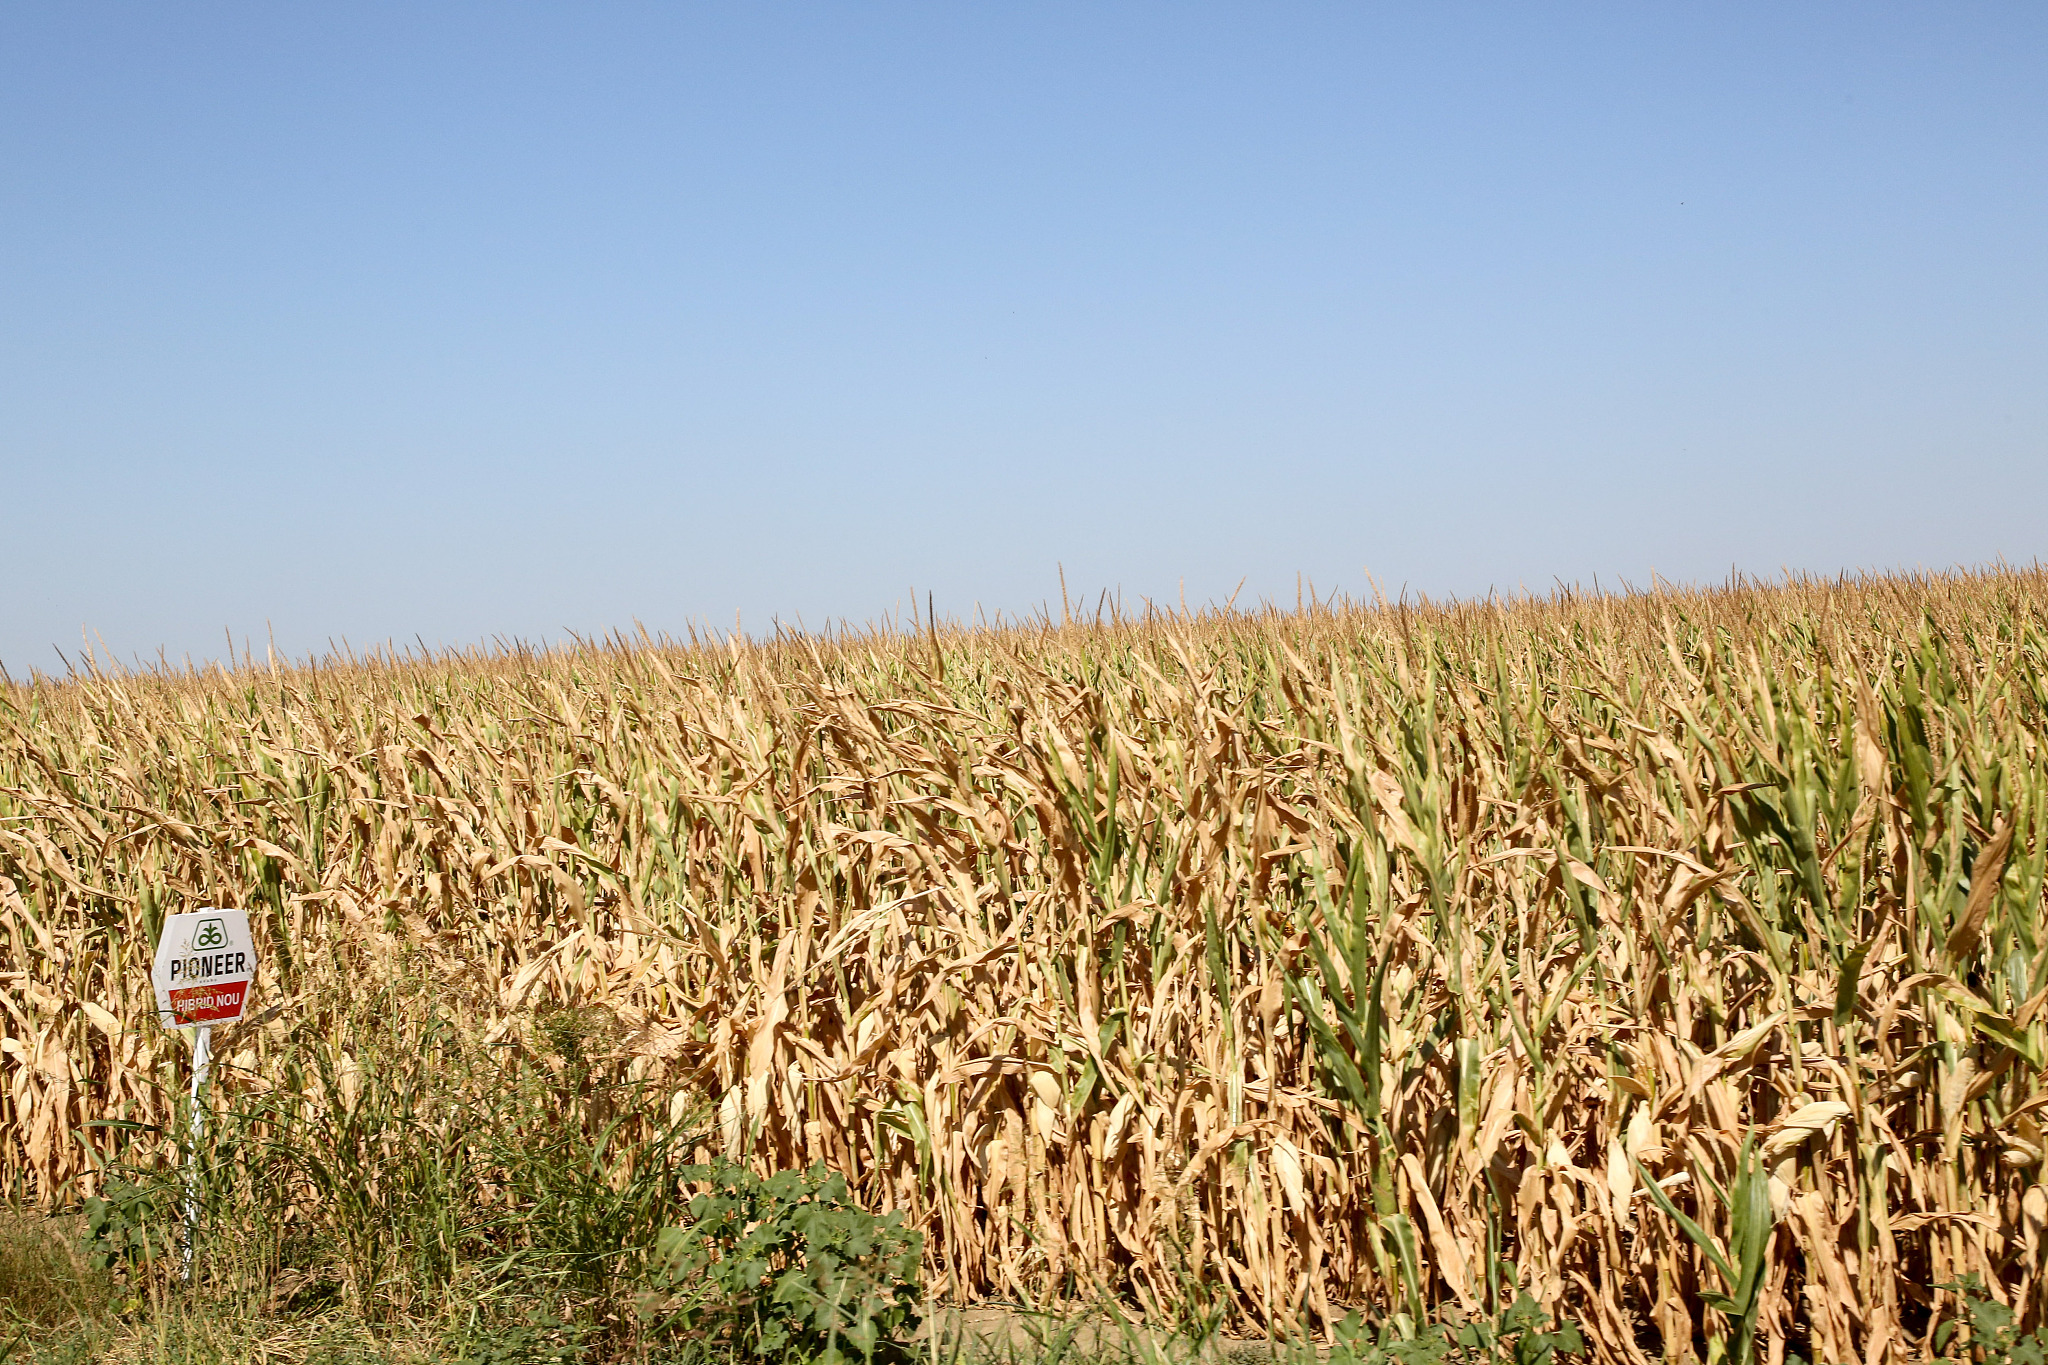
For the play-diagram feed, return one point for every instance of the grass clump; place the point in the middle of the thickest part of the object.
(47, 1287)
(429, 1196)
(1985, 1331)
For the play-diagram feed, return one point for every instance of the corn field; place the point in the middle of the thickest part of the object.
(1392, 957)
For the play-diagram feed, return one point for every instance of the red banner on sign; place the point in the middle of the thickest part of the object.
(208, 1004)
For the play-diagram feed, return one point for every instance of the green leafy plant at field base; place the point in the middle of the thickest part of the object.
(787, 1268)
(1986, 1333)
(1522, 1333)
(1992, 1335)
(130, 1227)
(541, 1338)
(1527, 1333)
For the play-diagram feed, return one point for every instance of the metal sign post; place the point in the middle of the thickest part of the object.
(205, 964)
(202, 1062)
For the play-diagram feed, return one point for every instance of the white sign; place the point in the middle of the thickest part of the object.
(205, 962)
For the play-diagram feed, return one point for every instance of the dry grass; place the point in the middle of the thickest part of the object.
(1340, 957)
(44, 1284)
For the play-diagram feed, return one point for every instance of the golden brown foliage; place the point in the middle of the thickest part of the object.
(1364, 957)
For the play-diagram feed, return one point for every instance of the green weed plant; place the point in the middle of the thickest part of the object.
(787, 1268)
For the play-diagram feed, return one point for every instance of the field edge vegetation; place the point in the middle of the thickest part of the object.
(1673, 959)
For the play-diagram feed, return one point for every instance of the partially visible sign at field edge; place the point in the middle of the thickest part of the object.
(205, 962)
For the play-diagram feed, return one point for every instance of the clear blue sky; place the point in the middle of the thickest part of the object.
(456, 322)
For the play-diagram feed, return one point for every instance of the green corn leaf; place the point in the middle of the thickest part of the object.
(1690, 1228)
